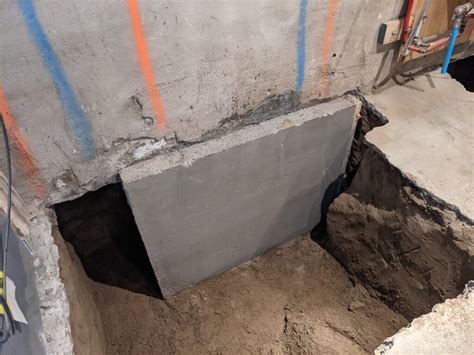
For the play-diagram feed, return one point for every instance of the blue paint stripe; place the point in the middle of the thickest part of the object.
(79, 122)
(301, 45)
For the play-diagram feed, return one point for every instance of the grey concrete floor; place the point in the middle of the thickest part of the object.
(430, 136)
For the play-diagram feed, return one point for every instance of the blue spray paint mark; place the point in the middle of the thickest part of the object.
(301, 45)
(79, 122)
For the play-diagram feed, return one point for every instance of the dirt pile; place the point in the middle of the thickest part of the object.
(294, 299)
(406, 247)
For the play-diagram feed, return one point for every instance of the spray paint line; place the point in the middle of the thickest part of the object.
(301, 45)
(145, 63)
(79, 123)
(27, 161)
(326, 49)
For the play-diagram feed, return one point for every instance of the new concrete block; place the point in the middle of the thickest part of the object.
(214, 205)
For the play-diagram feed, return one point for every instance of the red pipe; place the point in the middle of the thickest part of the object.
(406, 23)
(439, 43)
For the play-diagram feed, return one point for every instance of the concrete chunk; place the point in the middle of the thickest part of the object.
(447, 329)
(214, 205)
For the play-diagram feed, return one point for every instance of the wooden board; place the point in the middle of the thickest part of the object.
(439, 21)
(391, 31)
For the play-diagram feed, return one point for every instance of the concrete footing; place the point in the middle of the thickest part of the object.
(208, 207)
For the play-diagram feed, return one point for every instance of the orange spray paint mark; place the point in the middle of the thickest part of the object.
(145, 63)
(28, 164)
(326, 50)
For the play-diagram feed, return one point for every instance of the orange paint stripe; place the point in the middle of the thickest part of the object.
(326, 50)
(145, 63)
(27, 162)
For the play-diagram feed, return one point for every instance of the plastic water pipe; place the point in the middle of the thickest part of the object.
(452, 42)
(458, 16)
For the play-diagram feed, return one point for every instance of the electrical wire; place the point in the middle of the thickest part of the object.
(7, 315)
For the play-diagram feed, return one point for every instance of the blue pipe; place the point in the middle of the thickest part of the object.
(449, 53)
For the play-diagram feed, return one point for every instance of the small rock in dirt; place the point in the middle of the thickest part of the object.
(355, 305)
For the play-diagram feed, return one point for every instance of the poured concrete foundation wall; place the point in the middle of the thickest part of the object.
(215, 205)
(82, 97)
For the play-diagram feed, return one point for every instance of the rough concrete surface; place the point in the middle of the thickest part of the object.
(55, 307)
(212, 60)
(295, 299)
(447, 329)
(206, 208)
(430, 128)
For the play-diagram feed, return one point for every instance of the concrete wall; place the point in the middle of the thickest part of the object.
(77, 83)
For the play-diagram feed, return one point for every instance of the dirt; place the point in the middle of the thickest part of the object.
(294, 299)
(408, 248)
(86, 325)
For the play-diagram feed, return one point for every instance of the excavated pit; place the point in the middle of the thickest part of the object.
(395, 253)
(408, 251)
(407, 247)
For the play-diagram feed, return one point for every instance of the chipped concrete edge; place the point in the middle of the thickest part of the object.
(418, 323)
(189, 154)
(55, 310)
(423, 192)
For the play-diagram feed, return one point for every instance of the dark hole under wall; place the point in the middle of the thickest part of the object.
(463, 71)
(369, 119)
(101, 228)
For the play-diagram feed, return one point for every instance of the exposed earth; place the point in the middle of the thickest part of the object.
(294, 299)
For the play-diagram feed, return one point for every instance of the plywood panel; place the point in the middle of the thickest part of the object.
(438, 21)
